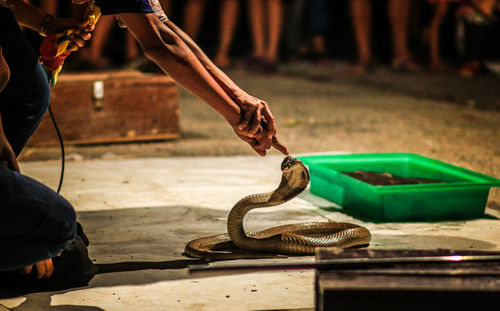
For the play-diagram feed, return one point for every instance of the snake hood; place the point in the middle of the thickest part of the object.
(295, 172)
(294, 180)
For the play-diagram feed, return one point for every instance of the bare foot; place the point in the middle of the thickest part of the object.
(405, 65)
(222, 61)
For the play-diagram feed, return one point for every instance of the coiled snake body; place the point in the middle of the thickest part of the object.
(298, 239)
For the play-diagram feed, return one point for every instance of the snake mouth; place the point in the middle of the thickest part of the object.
(288, 162)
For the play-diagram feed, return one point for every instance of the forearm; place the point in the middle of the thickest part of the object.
(171, 54)
(218, 75)
(27, 15)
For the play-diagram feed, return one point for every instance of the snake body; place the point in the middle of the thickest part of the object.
(292, 239)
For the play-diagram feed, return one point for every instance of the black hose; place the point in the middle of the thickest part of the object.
(61, 143)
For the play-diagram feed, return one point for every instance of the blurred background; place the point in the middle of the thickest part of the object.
(442, 36)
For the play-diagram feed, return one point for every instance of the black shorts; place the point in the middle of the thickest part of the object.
(110, 7)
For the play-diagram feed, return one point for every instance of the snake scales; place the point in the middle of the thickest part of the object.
(298, 239)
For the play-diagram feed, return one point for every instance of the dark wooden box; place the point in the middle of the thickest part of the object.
(120, 106)
(406, 287)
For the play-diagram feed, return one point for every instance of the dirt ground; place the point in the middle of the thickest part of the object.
(452, 119)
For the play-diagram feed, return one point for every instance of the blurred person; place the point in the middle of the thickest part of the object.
(479, 33)
(193, 18)
(92, 56)
(265, 18)
(228, 22)
(398, 11)
(293, 29)
(318, 27)
(441, 8)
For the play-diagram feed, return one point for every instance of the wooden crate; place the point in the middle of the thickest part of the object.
(111, 107)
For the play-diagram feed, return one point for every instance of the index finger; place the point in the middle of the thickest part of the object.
(278, 145)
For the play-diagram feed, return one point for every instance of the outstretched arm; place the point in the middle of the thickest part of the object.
(254, 108)
(169, 51)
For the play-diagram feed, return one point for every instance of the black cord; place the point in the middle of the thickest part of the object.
(61, 143)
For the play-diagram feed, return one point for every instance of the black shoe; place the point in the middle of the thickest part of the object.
(73, 268)
(81, 234)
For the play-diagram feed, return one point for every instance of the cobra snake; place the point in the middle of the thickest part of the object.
(293, 239)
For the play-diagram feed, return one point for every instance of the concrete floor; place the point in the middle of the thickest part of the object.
(143, 211)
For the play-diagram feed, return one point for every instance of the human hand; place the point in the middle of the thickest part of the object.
(7, 155)
(253, 110)
(261, 142)
(44, 269)
(257, 125)
(82, 30)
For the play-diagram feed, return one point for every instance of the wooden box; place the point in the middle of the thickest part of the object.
(111, 107)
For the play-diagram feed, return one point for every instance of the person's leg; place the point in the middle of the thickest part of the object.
(228, 20)
(93, 53)
(36, 223)
(440, 11)
(256, 17)
(318, 24)
(399, 11)
(362, 19)
(193, 17)
(274, 21)
(293, 30)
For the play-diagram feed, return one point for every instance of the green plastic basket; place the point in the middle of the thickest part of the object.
(463, 195)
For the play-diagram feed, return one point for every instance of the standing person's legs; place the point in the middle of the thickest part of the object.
(318, 25)
(294, 36)
(256, 12)
(441, 8)
(228, 20)
(362, 20)
(93, 53)
(274, 21)
(399, 12)
(193, 17)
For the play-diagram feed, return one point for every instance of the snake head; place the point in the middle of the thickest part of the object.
(295, 169)
(288, 162)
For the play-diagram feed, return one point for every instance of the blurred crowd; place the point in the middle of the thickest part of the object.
(444, 36)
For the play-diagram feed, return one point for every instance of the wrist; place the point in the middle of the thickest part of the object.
(46, 24)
